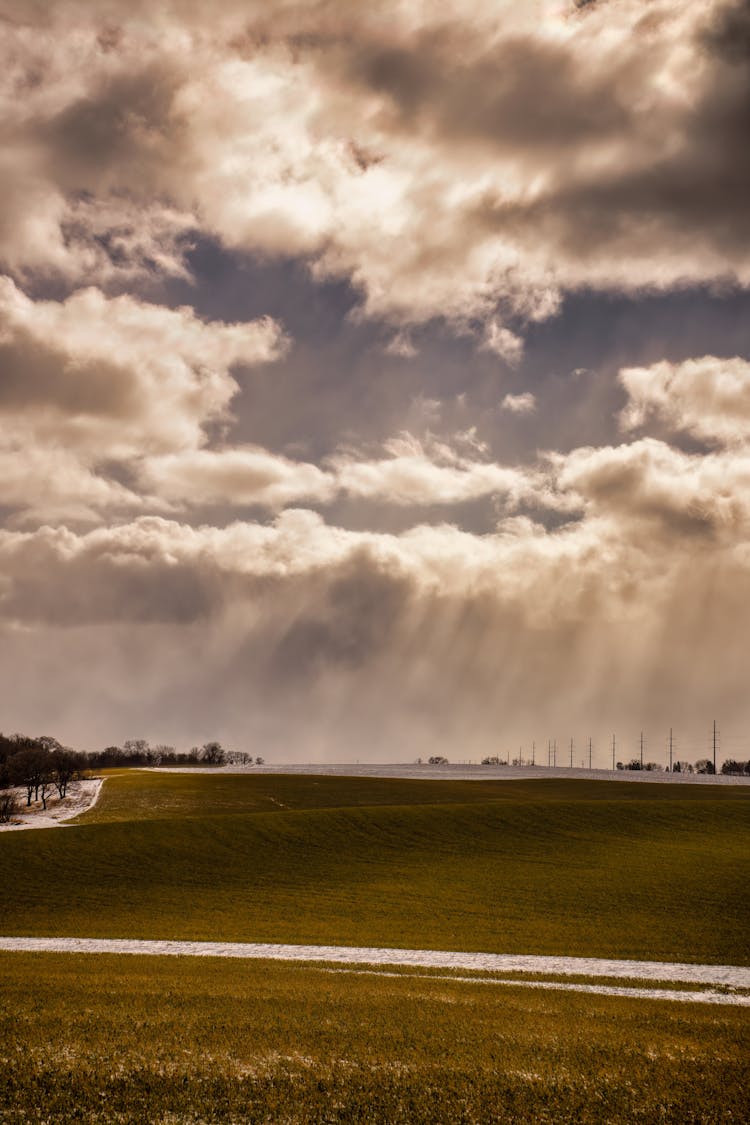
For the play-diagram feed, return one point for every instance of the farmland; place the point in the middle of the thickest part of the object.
(577, 868)
(544, 867)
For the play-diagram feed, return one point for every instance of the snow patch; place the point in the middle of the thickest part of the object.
(81, 796)
(730, 976)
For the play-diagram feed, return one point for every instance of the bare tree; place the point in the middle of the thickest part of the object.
(27, 768)
(45, 786)
(8, 806)
(64, 769)
(213, 754)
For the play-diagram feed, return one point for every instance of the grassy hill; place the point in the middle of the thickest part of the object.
(575, 867)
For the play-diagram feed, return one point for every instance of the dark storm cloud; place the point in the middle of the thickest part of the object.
(94, 588)
(117, 137)
(521, 93)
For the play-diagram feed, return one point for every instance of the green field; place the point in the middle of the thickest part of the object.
(136, 1039)
(543, 866)
(549, 867)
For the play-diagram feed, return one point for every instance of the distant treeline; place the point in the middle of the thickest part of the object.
(138, 752)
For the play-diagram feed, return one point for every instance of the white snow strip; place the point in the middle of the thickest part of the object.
(82, 796)
(469, 771)
(681, 994)
(732, 976)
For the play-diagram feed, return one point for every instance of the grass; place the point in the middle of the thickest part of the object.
(542, 866)
(131, 1039)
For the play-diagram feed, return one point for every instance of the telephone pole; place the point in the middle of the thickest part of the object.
(554, 752)
(641, 749)
(571, 753)
(533, 752)
(613, 752)
(714, 742)
(589, 753)
(670, 750)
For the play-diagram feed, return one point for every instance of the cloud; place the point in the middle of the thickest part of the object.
(52, 484)
(674, 494)
(415, 473)
(401, 345)
(290, 636)
(503, 343)
(468, 168)
(118, 375)
(238, 476)
(708, 398)
(412, 473)
(446, 166)
(92, 382)
(519, 404)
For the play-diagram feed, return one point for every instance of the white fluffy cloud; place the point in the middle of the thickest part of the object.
(238, 476)
(519, 404)
(93, 381)
(707, 397)
(649, 483)
(117, 376)
(418, 473)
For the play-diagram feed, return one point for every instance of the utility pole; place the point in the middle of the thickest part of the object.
(554, 752)
(571, 753)
(549, 752)
(714, 741)
(589, 753)
(533, 752)
(641, 749)
(613, 752)
(670, 750)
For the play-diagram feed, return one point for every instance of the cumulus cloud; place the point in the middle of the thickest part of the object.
(118, 375)
(405, 472)
(648, 482)
(95, 380)
(291, 635)
(446, 166)
(436, 473)
(519, 404)
(503, 343)
(707, 397)
(52, 484)
(237, 476)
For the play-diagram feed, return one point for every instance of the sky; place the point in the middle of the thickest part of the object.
(375, 379)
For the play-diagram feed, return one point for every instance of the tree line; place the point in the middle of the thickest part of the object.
(138, 752)
(41, 767)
